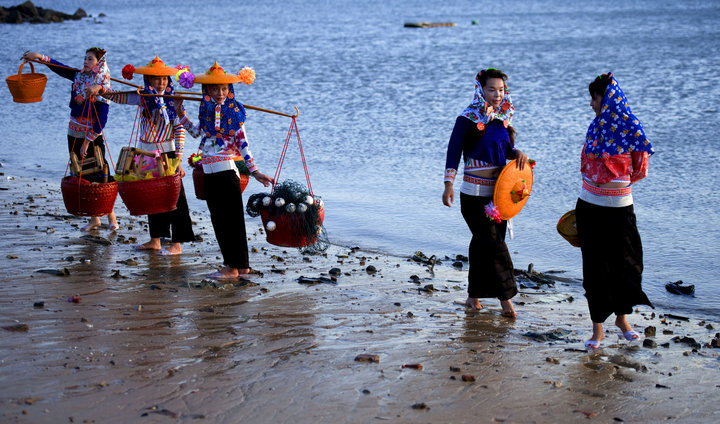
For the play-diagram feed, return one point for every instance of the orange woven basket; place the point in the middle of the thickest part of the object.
(148, 197)
(26, 88)
(283, 235)
(83, 198)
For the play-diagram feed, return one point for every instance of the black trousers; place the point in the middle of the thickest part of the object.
(491, 272)
(224, 199)
(177, 220)
(612, 259)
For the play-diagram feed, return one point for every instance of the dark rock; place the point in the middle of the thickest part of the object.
(335, 271)
(649, 343)
(60, 272)
(557, 334)
(429, 288)
(457, 264)
(367, 357)
(678, 288)
(39, 305)
(97, 239)
(420, 405)
(17, 327)
(468, 377)
(688, 341)
(455, 369)
(371, 269)
(27, 12)
(650, 331)
(315, 280)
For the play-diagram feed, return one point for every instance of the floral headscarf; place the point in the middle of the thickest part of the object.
(221, 121)
(99, 75)
(477, 110)
(616, 130)
(165, 105)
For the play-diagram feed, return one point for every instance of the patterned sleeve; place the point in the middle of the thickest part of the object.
(193, 130)
(454, 150)
(241, 139)
(179, 132)
(123, 97)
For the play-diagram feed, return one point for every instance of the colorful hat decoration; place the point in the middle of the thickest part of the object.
(512, 191)
(567, 227)
(217, 75)
(155, 67)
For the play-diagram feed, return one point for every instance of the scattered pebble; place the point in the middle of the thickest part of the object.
(367, 357)
(420, 405)
(468, 377)
(413, 366)
(16, 327)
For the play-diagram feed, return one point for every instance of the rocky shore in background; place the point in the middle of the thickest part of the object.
(28, 12)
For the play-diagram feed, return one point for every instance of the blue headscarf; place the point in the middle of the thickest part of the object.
(616, 130)
(156, 103)
(232, 112)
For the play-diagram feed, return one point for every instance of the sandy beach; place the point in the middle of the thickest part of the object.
(94, 332)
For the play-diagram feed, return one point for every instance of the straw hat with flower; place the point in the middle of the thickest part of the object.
(155, 67)
(512, 190)
(217, 75)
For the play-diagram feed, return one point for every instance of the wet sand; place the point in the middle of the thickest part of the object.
(151, 340)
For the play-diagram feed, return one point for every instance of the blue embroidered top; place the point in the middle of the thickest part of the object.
(466, 140)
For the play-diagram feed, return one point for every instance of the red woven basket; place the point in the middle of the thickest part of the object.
(199, 182)
(283, 234)
(84, 198)
(26, 88)
(151, 196)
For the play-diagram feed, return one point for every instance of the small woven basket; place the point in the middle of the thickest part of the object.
(83, 198)
(151, 196)
(26, 88)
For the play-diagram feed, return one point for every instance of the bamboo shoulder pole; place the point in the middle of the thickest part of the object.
(187, 95)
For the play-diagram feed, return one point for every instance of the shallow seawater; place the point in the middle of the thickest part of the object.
(377, 103)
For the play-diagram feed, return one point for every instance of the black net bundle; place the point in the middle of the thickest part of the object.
(293, 200)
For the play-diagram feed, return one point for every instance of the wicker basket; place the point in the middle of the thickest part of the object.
(283, 234)
(567, 228)
(199, 182)
(151, 196)
(26, 88)
(84, 198)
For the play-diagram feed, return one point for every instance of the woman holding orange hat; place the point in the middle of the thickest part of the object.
(615, 156)
(221, 122)
(484, 136)
(160, 131)
(88, 113)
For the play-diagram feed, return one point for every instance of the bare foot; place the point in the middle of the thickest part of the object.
(597, 336)
(473, 303)
(625, 328)
(92, 225)
(112, 222)
(508, 310)
(153, 244)
(173, 249)
(226, 273)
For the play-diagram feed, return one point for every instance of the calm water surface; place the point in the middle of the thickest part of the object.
(378, 102)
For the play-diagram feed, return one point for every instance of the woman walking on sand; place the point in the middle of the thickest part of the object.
(484, 136)
(614, 157)
(88, 113)
(160, 130)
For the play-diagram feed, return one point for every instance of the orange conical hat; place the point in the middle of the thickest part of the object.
(512, 189)
(157, 68)
(216, 75)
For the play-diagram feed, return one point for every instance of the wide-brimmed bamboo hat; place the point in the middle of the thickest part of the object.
(156, 68)
(512, 189)
(216, 75)
(567, 227)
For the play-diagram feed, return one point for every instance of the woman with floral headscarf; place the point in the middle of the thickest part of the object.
(614, 157)
(221, 123)
(160, 131)
(88, 113)
(484, 136)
